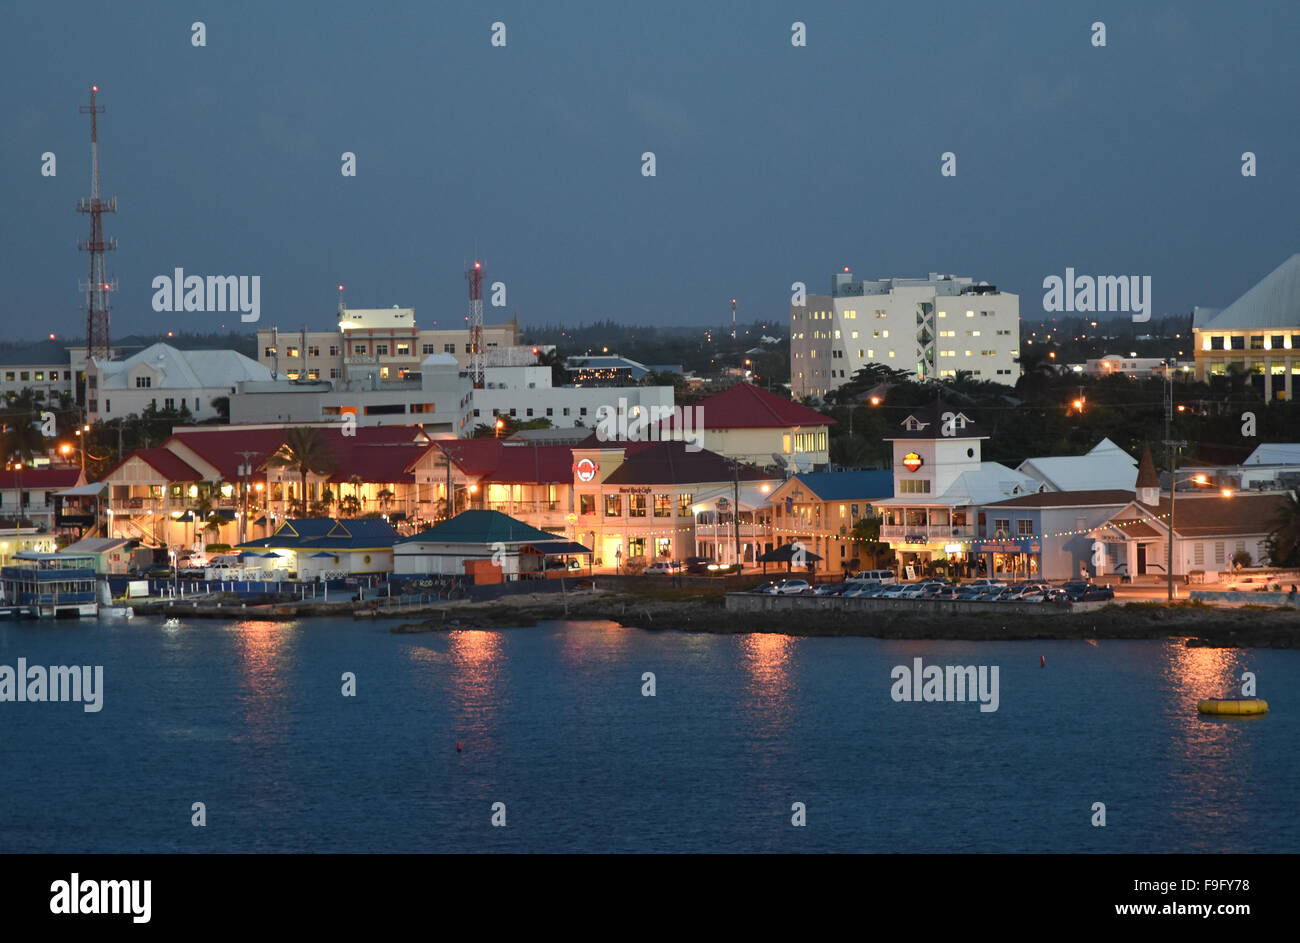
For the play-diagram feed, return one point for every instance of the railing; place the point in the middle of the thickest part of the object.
(928, 531)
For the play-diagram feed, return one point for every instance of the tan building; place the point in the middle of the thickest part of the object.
(820, 510)
(1259, 332)
(383, 341)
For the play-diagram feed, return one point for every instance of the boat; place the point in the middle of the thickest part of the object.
(1232, 706)
(172, 623)
(51, 585)
(106, 607)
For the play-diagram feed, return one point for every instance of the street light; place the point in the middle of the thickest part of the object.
(1200, 479)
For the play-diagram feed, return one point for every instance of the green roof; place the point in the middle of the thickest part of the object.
(480, 527)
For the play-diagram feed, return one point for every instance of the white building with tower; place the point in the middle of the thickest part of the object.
(933, 327)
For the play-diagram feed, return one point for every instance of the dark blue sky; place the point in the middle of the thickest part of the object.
(775, 163)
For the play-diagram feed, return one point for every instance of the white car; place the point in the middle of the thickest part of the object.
(664, 568)
(794, 587)
(984, 585)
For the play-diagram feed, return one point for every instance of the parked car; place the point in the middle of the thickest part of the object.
(860, 588)
(884, 577)
(794, 587)
(697, 564)
(769, 588)
(983, 584)
(1094, 593)
(828, 589)
(664, 568)
(890, 592)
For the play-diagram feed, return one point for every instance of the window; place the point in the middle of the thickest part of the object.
(54, 375)
(914, 486)
(269, 352)
(586, 504)
(582, 410)
(291, 351)
(359, 349)
(169, 403)
(469, 348)
(528, 411)
(143, 383)
(663, 505)
(636, 505)
(335, 373)
(1257, 342)
(566, 410)
(334, 350)
(403, 350)
(24, 375)
(40, 375)
(9, 375)
(613, 505)
(1198, 554)
(313, 351)
(426, 348)
(1024, 528)
(381, 350)
(684, 505)
(313, 374)
(448, 348)
(1218, 552)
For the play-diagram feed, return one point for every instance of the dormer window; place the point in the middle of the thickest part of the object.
(912, 424)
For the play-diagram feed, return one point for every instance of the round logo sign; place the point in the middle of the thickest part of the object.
(585, 469)
(912, 461)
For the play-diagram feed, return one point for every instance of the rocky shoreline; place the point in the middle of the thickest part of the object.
(1243, 627)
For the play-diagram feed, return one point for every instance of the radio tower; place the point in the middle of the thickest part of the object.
(733, 319)
(98, 286)
(474, 275)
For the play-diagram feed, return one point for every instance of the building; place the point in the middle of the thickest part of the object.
(162, 377)
(1272, 466)
(750, 424)
(44, 368)
(638, 502)
(385, 341)
(1133, 366)
(932, 327)
(1105, 467)
(1046, 535)
(437, 398)
(1208, 530)
(484, 543)
(324, 548)
(612, 370)
(820, 510)
(940, 487)
(525, 393)
(1259, 333)
(110, 555)
(34, 489)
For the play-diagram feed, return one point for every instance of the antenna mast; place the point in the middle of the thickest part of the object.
(98, 286)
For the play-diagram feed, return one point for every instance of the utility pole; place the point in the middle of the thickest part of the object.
(735, 511)
(245, 472)
(1171, 444)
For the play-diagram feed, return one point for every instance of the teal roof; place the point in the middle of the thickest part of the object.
(480, 527)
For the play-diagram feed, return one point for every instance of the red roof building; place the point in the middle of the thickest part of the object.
(753, 425)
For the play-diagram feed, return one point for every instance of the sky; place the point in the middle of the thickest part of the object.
(774, 163)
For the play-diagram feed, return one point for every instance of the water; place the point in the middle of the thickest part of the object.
(247, 717)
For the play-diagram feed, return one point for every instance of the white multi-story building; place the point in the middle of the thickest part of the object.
(933, 327)
(166, 378)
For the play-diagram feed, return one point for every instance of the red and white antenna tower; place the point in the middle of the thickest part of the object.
(474, 275)
(97, 288)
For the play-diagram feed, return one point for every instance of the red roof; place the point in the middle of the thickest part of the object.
(745, 406)
(673, 463)
(495, 460)
(36, 479)
(167, 463)
(375, 453)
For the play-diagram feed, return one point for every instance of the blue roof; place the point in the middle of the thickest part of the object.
(326, 533)
(849, 485)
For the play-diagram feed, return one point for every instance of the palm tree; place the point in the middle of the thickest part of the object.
(303, 449)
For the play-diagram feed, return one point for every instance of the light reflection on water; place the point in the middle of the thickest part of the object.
(769, 689)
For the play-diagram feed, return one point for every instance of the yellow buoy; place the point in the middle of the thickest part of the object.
(1235, 706)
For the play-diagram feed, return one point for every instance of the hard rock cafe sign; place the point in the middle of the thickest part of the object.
(585, 469)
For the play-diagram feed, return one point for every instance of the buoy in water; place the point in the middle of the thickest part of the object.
(1232, 706)
(1042, 661)
(458, 747)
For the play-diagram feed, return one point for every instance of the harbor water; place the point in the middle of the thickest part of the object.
(556, 723)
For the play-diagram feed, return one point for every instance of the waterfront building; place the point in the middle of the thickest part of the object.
(108, 555)
(1047, 535)
(940, 487)
(750, 424)
(487, 544)
(820, 510)
(162, 377)
(323, 547)
(933, 327)
(1259, 334)
(639, 502)
(30, 493)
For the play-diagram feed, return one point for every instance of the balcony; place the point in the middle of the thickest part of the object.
(909, 532)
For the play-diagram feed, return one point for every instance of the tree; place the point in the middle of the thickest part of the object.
(866, 532)
(350, 505)
(1284, 542)
(303, 450)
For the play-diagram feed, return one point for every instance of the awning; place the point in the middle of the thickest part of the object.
(557, 547)
(785, 554)
(226, 514)
(83, 491)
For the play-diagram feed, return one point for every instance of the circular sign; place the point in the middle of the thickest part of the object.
(912, 461)
(585, 469)
(722, 504)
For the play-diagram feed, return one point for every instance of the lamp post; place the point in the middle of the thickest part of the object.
(1200, 479)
